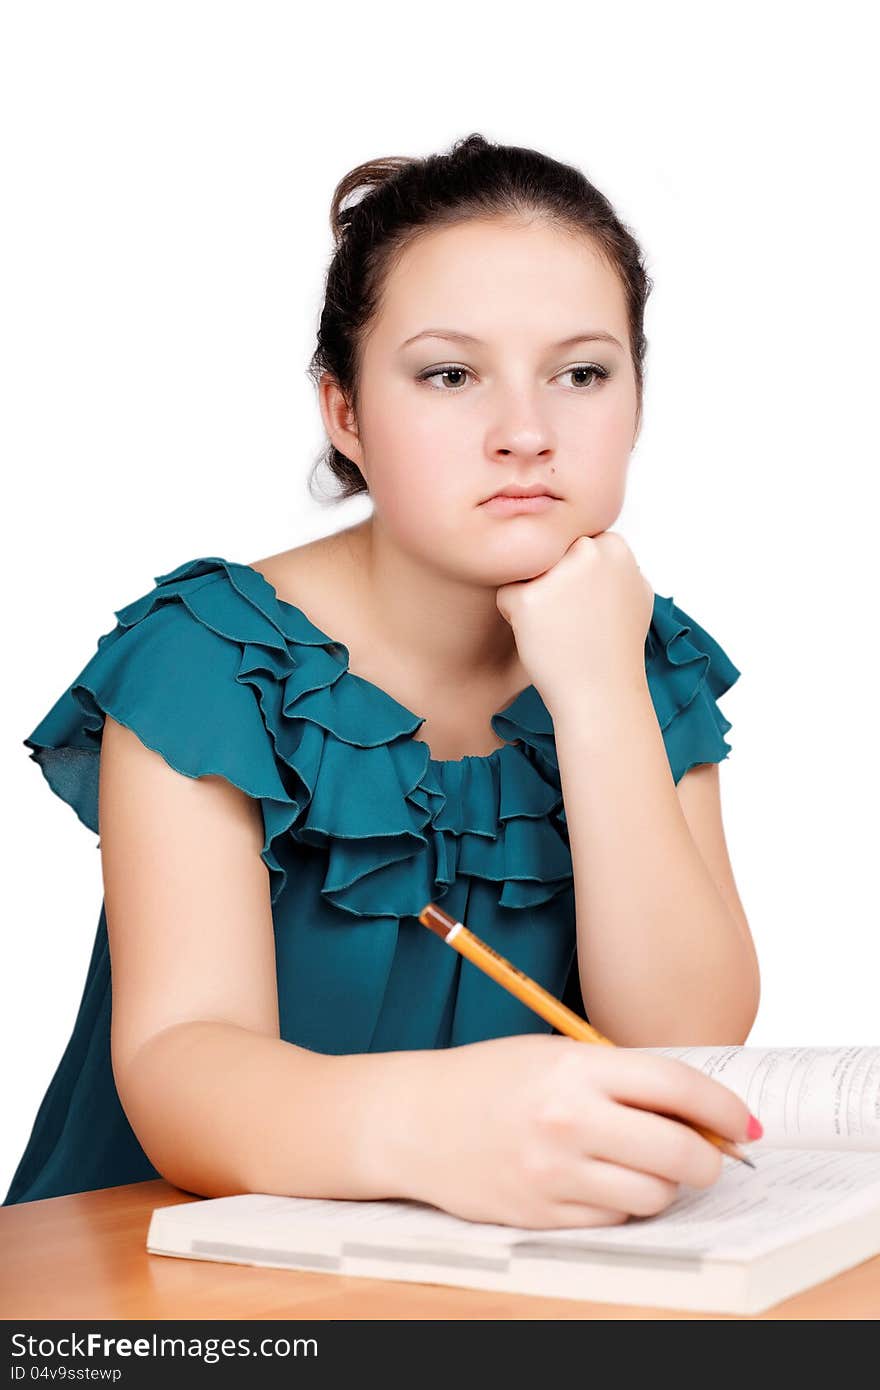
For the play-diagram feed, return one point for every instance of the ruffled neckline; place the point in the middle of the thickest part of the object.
(526, 710)
(344, 772)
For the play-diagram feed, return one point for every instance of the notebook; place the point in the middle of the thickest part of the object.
(810, 1209)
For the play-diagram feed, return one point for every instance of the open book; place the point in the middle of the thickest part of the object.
(811, 1209)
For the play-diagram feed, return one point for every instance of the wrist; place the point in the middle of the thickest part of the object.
(398, 1094)
(602, 709)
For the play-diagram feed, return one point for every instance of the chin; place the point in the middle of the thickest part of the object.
(526, 558)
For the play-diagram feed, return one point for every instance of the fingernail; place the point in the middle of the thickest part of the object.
(755, 1129)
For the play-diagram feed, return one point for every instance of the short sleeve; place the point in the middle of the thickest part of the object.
(688, 671)
(172, 680)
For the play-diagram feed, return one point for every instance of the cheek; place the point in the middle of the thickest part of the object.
(417, 492)
(420, 467)
(611, 425)
(438, 450)
(604, 450)
(600, 495)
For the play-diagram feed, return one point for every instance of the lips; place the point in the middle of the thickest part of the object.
(521, 494)
(505, 505)
(524, 492)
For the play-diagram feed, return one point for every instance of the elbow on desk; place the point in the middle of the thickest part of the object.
(173, 1125)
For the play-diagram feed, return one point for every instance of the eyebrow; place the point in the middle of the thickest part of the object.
(595, 335)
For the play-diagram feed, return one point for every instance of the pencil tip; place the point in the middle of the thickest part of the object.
(748, 1161)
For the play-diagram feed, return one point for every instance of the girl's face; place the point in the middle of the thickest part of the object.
(444, 422)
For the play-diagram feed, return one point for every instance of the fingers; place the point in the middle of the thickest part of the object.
(653, 1144)
(669, 1087)
(563, 1214)
(616, 1188)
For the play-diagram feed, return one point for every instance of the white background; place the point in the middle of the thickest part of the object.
(168, 170)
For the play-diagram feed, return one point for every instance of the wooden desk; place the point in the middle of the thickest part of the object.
(85, 1256)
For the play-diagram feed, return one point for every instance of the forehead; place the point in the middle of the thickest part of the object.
(500, 278)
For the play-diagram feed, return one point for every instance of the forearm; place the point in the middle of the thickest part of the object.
(662, 960)
(220, 1110)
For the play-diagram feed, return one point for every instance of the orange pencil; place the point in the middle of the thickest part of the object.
(457, 935)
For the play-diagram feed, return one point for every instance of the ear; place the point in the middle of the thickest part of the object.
(339, 420)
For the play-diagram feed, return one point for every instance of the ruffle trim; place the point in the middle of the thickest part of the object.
(221, 677)
(687, 672)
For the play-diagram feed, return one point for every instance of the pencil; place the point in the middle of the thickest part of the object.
(457, 935)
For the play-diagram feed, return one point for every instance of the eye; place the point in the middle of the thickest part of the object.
(599, 373)
(441, 372)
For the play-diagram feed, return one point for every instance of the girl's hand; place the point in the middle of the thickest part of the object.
(581, 625)
(544, 1131)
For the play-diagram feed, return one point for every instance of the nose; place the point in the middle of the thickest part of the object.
(527, 443)
(520, 429)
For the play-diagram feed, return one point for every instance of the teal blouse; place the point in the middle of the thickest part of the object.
(363, 827)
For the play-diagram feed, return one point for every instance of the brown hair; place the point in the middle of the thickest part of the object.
(406, 197)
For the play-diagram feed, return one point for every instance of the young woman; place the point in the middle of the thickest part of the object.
(466, 698)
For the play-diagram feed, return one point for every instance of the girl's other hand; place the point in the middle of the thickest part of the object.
(581, 625)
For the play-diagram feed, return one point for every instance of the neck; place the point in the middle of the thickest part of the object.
(450, 629)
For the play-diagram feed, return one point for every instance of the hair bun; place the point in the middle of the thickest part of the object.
(369, 176)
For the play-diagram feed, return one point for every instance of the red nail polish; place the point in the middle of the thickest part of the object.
(755, 1129)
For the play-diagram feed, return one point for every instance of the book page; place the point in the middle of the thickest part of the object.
(790, 1195)
(805, 1097)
